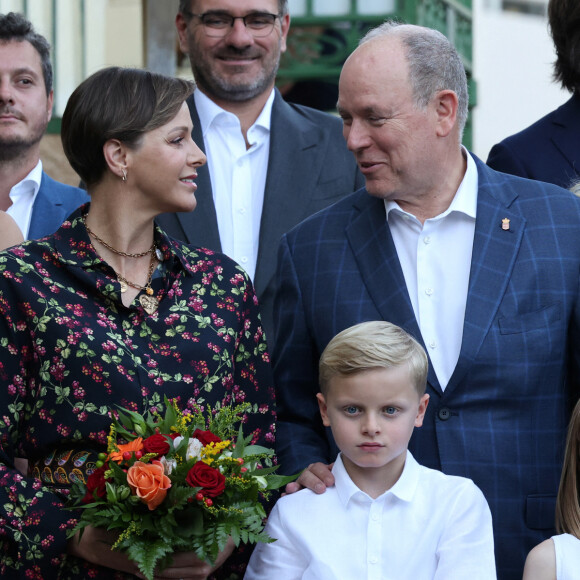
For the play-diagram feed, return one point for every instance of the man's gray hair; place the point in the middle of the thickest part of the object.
(434, 64)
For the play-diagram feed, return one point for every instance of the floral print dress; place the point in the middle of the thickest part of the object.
(70, 351)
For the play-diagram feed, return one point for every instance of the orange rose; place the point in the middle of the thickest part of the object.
(149, 482)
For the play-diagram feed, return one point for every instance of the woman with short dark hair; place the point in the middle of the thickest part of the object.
(109, 312)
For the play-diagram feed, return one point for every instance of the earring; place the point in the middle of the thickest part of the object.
(124, 177)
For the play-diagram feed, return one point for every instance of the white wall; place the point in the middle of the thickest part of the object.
(513, 56)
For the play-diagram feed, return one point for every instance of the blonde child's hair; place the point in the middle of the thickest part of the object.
(567, 504)
(371, 346)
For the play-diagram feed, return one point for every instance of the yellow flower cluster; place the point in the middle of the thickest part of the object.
(112, 439)
(182, 420)
(132, 528)
(212, 449)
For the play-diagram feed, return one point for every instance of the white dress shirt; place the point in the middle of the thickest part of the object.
(436, 262)
(23, 195)
(427, 526)
(238, 176)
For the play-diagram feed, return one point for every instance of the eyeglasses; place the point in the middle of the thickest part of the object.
(220, 24)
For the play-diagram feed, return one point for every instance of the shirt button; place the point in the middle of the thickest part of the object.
(375, 517)
(426, 239)
(244, 259)
(373, 560)
(433, 344)
(429, 291)
(242, 210)
(444, 414)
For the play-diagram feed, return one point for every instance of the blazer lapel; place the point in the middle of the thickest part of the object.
(288, 185)
(200, 226)
(494, 254)
(47, 209)
(371, 241)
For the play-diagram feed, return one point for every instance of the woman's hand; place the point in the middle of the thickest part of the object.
(187, 566)
(95, 547)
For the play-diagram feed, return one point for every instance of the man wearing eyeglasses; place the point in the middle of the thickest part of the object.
(270, 164)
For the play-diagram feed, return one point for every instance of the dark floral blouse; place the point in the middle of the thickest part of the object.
(70, 351)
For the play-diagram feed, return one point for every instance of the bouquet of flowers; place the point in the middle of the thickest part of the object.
(178, 482)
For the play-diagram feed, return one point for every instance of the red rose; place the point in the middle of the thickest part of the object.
(96, 485)
(205, 437)
(156, 444)
(211, 480)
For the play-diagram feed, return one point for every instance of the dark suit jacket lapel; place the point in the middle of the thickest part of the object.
(371, 241)
(289, 187)
(566, 130)
(493, 258)
(202, 221)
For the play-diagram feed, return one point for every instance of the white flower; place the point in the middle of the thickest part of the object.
(168, 465)
(261, 481)
(194, 448)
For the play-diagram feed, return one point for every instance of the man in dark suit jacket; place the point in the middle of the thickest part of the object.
(549, 150)
(38, 203)
(493, 259)
(308, 164)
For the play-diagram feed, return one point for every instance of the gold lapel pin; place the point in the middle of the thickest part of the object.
(505, 224)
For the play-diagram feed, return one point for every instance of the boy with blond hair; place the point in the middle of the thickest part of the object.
(387, 516)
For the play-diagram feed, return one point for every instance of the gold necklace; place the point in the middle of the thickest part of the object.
(109, 247)
(147, 300)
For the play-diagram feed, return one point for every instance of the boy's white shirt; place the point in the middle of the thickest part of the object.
(427, 526)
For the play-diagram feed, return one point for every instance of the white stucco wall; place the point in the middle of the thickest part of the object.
(513, 56)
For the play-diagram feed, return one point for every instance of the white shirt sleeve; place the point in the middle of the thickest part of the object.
(465, 549)
(281, 559)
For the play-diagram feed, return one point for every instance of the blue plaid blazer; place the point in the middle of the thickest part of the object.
(502, 419)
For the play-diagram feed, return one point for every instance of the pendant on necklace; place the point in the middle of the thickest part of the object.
(149, 303)
(123, 285)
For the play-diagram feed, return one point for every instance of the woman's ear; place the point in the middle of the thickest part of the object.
(115, 154)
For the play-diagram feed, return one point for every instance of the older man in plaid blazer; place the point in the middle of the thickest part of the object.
(481, 267)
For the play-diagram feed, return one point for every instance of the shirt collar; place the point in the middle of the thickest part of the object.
(404, 489)
(465, 199)
(30, 184)
(208, 112)
(74, 246)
